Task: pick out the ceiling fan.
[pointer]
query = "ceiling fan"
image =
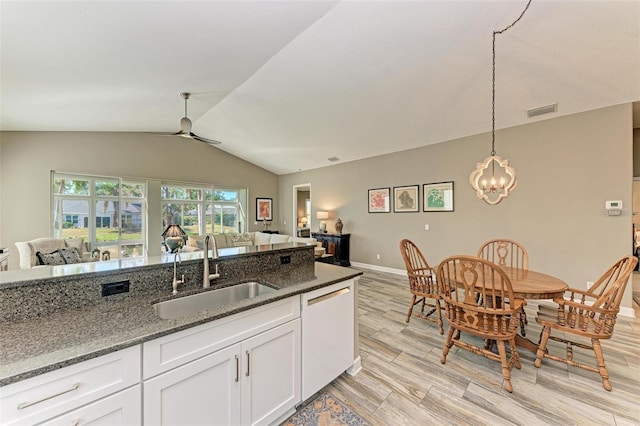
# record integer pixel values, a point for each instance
(185, 126)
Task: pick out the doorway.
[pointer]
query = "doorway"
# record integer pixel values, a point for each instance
(302, 210)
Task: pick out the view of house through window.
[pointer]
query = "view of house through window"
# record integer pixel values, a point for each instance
(109, 213)
(203, 210)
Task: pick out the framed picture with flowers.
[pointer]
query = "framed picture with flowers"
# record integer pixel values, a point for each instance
(379, 200)
(438, 197)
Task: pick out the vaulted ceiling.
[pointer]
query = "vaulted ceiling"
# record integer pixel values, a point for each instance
(288, 84)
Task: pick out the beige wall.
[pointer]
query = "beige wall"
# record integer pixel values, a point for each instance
(26, 159)
(567, 168)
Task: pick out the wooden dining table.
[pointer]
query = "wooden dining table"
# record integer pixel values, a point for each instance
(532, 285)
(528, 284)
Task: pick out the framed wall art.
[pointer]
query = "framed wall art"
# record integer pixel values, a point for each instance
(438, 197)
(406, 199)
(379, 200)
(264, 209)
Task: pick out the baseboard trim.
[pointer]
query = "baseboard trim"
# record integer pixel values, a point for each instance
(627, 312)
(379, 268)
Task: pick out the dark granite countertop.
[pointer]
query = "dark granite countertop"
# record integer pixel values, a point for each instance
(35, 346)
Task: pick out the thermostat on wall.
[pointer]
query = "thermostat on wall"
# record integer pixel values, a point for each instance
(613, 205)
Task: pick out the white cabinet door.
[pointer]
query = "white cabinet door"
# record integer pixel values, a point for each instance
(120, 409)
(202, 392)
(271, 374)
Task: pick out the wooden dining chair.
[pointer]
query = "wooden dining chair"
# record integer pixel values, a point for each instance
(421, 283)
(589, 314)
(505, 252)
(478, 300)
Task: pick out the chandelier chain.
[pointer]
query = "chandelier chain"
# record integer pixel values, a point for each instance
(493, 79)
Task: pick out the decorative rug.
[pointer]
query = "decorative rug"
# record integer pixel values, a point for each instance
(325, 410)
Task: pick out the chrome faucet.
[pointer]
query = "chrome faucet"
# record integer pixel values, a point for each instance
(206, 276)
(176, 260)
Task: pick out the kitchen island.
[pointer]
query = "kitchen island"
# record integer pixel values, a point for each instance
(34, 347)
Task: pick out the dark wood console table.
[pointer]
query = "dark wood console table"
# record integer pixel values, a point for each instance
(335, 244)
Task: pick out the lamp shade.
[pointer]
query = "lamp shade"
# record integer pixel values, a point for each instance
(322, 215)
(173, 230)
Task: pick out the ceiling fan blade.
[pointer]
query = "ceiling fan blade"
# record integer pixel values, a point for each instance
(166, 133)
(205, 140)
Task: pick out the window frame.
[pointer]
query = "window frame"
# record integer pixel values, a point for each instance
(89, 221)
(207, 206)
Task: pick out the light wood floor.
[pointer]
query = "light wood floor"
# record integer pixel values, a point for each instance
(403, 382)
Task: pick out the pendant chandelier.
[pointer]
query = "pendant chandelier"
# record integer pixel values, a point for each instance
(494, 179)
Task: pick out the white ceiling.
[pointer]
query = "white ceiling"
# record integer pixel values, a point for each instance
(288, 84)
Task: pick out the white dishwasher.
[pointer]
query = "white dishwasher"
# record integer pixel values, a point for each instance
(327, 335)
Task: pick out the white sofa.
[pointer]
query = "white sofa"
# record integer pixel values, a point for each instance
(28, 249)
(256, 238)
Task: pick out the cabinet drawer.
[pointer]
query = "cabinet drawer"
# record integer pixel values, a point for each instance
(176, 349)
(120, 409)
(45, 396)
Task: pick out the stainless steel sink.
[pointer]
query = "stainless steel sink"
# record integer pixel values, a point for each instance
(179, 307)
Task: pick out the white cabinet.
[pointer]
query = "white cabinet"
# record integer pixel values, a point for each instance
(205, 391)
(271, 376)
(44, 397)
(255, 379)
(250, 368)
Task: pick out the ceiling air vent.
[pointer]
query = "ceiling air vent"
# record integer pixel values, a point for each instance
(542, 110)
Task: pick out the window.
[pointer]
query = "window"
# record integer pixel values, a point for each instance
(108, 212)
(203, 210)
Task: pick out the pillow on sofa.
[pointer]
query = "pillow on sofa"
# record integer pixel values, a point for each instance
(53, 258)
(243, 239)
(261, 238)
(221, 241)
(196, 241)
(70, 255)
(279, 238)
(28, 249)
(305, 240)
(77, 243)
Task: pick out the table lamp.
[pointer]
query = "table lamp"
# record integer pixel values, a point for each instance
(322, 216)
(173, 237)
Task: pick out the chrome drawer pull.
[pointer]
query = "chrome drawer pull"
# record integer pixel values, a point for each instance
(24, 405)
(327, 296)
(237, 368)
